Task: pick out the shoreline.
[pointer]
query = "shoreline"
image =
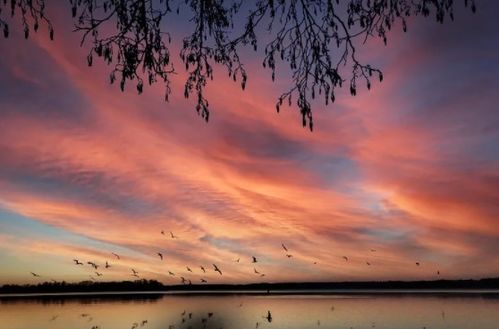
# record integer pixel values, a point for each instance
(294, 292)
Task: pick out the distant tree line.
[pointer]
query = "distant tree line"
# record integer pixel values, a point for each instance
(153, 285)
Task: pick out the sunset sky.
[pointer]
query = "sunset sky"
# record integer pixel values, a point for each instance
(409, 169)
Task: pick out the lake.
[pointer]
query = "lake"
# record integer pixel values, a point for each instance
(239, 311)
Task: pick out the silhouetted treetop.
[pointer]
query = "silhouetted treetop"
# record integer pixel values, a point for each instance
(315, 39)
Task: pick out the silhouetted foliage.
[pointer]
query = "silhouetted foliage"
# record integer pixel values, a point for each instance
(84, 286)
(153, 285)
(316, 39)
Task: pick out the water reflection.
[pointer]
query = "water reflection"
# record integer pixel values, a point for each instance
(246, 311)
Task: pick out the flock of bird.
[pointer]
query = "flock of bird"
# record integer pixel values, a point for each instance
(205, 320)
(184, 280)
(186, 319)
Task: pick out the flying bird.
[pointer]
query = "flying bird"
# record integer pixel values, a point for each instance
(373, 250)
(136, 275)
(284, 247)
(256, 272)
(254, 259)
(77, 262)
(173, 236)
(289, 255)
(95, 266)
(216, 269)
(116, 255)
(160, 255)
(134, 271)
(35, 275)
(345, 258)
(237, 260)
(98, 274)
(262, 275)
(417, 264)
(171, 273)
(202, 268)
(368, 264)
(107, 265)
(183, 279)
(188, 269)
(203, 280)
(162, 232)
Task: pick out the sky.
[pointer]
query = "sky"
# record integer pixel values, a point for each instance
(406, 172)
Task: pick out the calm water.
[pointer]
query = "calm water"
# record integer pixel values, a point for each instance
(250, 311)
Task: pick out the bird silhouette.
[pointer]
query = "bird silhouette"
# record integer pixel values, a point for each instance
(203, 280)
(237, 260)
(95, 266)
(98, 274)
(255, 270)
(171, 273)
(373, 250)
(345, 258)
(116, 255)
(183, 279)
(418, 264)
(162, 232)
(188, 269)
(284, 247)
(262, 275)
(210, 314)
(269, 316)
(368, 264)
(202, 269)
(136, 275)
(53, 318)
(143, 323)
(216, 269)
(107, 265)
(254, 259)
(134, 271)
(35, 275)
(289, 255)
(438, 272)
(160, 255)
(77, 262)
(173, 236)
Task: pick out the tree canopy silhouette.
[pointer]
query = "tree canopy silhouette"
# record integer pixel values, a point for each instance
(315, 39)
